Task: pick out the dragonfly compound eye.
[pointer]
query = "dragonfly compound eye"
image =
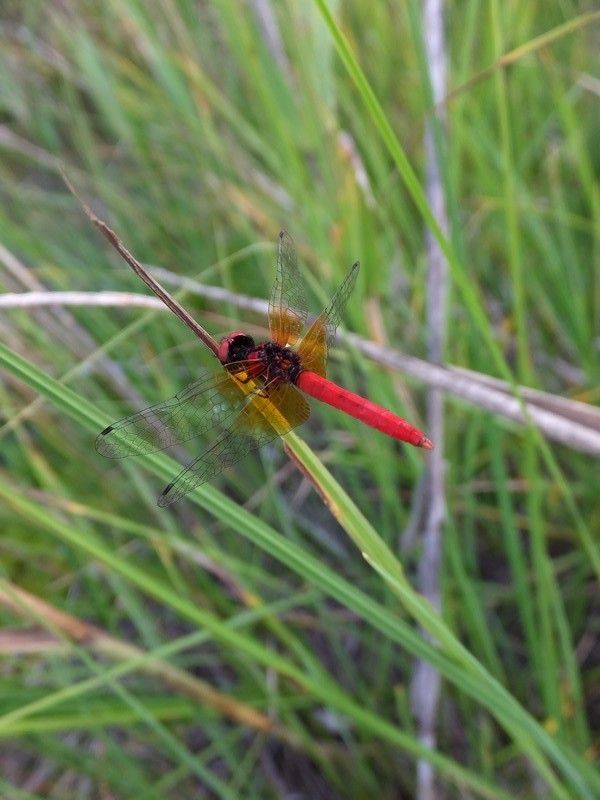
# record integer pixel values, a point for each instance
(235, 348)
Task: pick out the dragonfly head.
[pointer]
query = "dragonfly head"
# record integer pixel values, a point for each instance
(235, 347)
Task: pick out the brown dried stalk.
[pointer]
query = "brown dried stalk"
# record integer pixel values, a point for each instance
(139, 270)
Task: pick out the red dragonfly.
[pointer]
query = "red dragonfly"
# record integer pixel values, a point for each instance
(256, 397)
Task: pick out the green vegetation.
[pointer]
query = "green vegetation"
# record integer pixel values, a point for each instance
(259, 638)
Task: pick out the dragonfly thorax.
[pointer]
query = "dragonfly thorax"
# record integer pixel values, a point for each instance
(280, 362)
(271, 362)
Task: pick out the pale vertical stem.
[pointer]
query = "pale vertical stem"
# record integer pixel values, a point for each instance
(426, 681)
(267, 23)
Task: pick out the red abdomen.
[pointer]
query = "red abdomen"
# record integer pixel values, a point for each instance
(362, 409)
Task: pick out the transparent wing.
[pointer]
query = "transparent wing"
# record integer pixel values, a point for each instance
(261, 421)
(287, 305)
(321, 334)
(212, 401)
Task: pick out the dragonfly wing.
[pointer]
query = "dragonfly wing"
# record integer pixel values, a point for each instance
(321, 334)
(287, 305)
(256, 425)
(212, 401)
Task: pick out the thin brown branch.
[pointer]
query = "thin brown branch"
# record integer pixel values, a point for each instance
(139, 270)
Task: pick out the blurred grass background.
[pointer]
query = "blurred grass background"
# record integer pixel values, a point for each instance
(241, 646)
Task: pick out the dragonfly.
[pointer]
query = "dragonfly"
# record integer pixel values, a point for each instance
(258, 393)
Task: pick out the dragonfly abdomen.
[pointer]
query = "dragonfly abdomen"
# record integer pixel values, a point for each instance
(362, 409)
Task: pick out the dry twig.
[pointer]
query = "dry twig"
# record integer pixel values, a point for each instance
(572, 423)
